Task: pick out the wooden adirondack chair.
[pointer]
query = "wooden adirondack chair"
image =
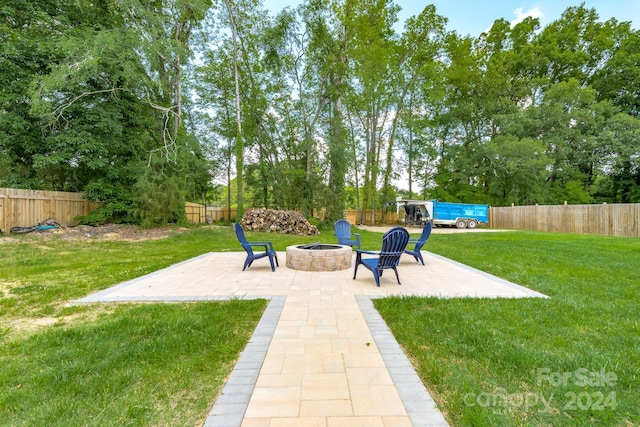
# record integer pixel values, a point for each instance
(394, 243)
(344, 234)
(419, 243)
(251, 255)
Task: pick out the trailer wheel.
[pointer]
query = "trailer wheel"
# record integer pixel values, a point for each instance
(472, 223)
(461, 223)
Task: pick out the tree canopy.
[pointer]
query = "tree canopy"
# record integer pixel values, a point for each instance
(146, 104)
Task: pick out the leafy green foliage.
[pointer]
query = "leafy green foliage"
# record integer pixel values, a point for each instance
(329, 96)
(513, 84)
(94, 98)
(159, 198)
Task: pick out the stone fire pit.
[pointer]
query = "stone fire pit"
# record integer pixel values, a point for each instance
(319, 257)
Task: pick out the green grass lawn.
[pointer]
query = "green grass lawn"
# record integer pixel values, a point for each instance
(572, 359)
(138, 365)
(111, 364)
(486, 362)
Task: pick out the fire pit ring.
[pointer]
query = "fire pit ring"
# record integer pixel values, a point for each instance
(319, 257)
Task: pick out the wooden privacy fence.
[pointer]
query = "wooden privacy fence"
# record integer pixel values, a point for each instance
(200, 214)
(621, 220)
(220, 213)
(390, 217)
(23, 208)
(196, 214)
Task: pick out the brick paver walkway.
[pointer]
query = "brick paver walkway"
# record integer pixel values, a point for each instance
(321, 355)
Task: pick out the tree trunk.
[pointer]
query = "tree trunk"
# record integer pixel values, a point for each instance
(239, 143)
(355, 169)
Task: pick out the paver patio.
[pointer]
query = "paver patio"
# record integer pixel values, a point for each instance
(321, 355)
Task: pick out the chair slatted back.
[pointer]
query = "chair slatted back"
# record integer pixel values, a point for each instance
(242, 239)
(426, 232)
(394, 243)
(343, 229)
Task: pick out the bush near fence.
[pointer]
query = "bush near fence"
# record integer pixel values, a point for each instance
(622, 220)
(24, 208)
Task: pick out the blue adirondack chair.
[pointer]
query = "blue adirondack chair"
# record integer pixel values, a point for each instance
(251, 255)
(419, 243)
(344, 234)
(394, 243)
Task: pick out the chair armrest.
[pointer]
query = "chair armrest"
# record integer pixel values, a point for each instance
(367, 252)
(265, 244)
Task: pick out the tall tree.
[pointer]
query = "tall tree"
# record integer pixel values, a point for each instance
(417, 78)
(621, 137)
(111, 96)
(372, 42)
(239, 140)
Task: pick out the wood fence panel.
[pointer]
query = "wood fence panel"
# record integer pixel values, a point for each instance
(23, 208)
(218, 213)
(621, 220)
(575, 220)
(544, 218)
(3, 211)
(390, 217)
(586, 215)
(559, 218)
(195, 213)
(351, 216)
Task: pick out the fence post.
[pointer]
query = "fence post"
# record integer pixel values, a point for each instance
(490, 218)
(5, 209)
(52, 207)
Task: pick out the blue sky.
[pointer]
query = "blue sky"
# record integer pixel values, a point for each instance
(472, 17)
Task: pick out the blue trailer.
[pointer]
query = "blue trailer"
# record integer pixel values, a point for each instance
(460, 215)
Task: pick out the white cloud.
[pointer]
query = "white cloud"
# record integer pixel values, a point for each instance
(520, 15)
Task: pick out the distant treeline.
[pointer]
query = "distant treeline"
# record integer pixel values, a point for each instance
(146, 104)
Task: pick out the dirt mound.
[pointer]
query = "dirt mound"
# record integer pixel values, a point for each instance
(122, 232)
